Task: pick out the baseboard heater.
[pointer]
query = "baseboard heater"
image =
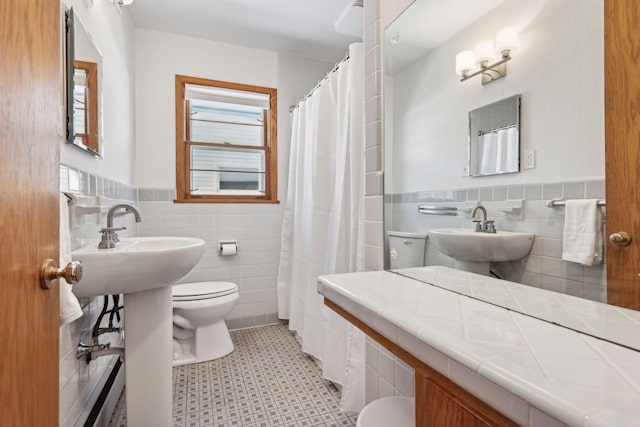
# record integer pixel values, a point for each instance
(106, 399)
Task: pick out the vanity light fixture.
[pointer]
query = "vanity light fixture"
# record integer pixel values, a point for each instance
(483, 61)
(120, 3)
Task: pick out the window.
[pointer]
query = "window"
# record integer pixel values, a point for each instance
(225, 142)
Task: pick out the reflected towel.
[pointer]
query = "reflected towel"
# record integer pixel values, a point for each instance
(501, 150)
(70, 309)
(582, 238)
(488, 145)
(512, 150)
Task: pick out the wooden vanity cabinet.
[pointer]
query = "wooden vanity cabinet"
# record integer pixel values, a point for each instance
(439, 401)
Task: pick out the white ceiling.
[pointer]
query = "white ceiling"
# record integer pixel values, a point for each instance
(302, 27)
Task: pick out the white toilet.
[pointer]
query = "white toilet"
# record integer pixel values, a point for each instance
(406, 249)
(199, 331)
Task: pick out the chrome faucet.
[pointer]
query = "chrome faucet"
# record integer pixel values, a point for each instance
(484, 225)
(109, 236)
(482, 210)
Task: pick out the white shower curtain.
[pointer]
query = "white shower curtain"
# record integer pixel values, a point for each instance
(323, 226)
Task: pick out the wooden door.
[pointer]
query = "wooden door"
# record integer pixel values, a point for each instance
(622, 135)
(31, 131)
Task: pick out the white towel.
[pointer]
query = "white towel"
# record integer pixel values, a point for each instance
(501, 150)
(512, 150)
(582, 232)
(488, 145)
(70, 309)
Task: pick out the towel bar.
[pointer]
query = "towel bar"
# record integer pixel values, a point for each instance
(437, 210)
(559, 202)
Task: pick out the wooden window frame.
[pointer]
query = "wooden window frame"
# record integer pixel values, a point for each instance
(90, 139)
(183, 146)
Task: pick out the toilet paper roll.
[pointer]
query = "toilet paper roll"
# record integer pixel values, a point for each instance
(228, 249)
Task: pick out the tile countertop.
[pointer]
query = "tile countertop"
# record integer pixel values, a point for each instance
(578, 379)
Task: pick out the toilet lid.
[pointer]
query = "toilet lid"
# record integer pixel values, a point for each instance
(202, 290)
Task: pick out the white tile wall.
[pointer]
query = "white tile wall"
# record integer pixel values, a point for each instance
(373, 135)
(386, 375)
(254, 269)
(77, 378)
(544, 268)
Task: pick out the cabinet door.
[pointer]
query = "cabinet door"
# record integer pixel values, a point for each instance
(441, 403)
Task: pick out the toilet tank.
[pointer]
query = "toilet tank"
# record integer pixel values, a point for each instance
(406, 249)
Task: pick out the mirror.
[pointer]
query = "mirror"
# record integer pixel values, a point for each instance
(558, 70)
(83, 94)
(494, 138)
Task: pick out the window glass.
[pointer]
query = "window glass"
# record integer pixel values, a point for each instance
(227, 170)
(226, 123)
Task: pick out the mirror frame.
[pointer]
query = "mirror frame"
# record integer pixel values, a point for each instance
(90, 138)
(90, 142)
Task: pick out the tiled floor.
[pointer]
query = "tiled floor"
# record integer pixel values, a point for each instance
(266, 381)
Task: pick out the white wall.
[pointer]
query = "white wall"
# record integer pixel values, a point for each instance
(112, 34)
(559, 70)
(257, 227)
(159, 58)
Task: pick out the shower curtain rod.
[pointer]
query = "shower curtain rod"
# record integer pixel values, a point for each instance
(333, 70)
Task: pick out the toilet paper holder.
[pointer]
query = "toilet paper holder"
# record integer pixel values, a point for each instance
(227, 247)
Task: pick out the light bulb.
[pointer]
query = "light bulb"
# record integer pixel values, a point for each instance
(506, 40)
(464, 62)
(484, 51)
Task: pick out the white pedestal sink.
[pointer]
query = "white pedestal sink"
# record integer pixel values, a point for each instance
(475, 251)
(143, 269)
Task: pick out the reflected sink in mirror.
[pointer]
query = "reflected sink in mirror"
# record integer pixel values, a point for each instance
(467, 245)
(136, 264)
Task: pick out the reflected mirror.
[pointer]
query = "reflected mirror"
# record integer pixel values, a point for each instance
(83, 76)
(430, 182)
(494, 138)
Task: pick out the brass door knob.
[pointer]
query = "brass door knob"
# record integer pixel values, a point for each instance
(621, 238)
(49, 273)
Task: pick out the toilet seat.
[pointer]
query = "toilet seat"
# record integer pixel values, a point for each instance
(202, 290)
